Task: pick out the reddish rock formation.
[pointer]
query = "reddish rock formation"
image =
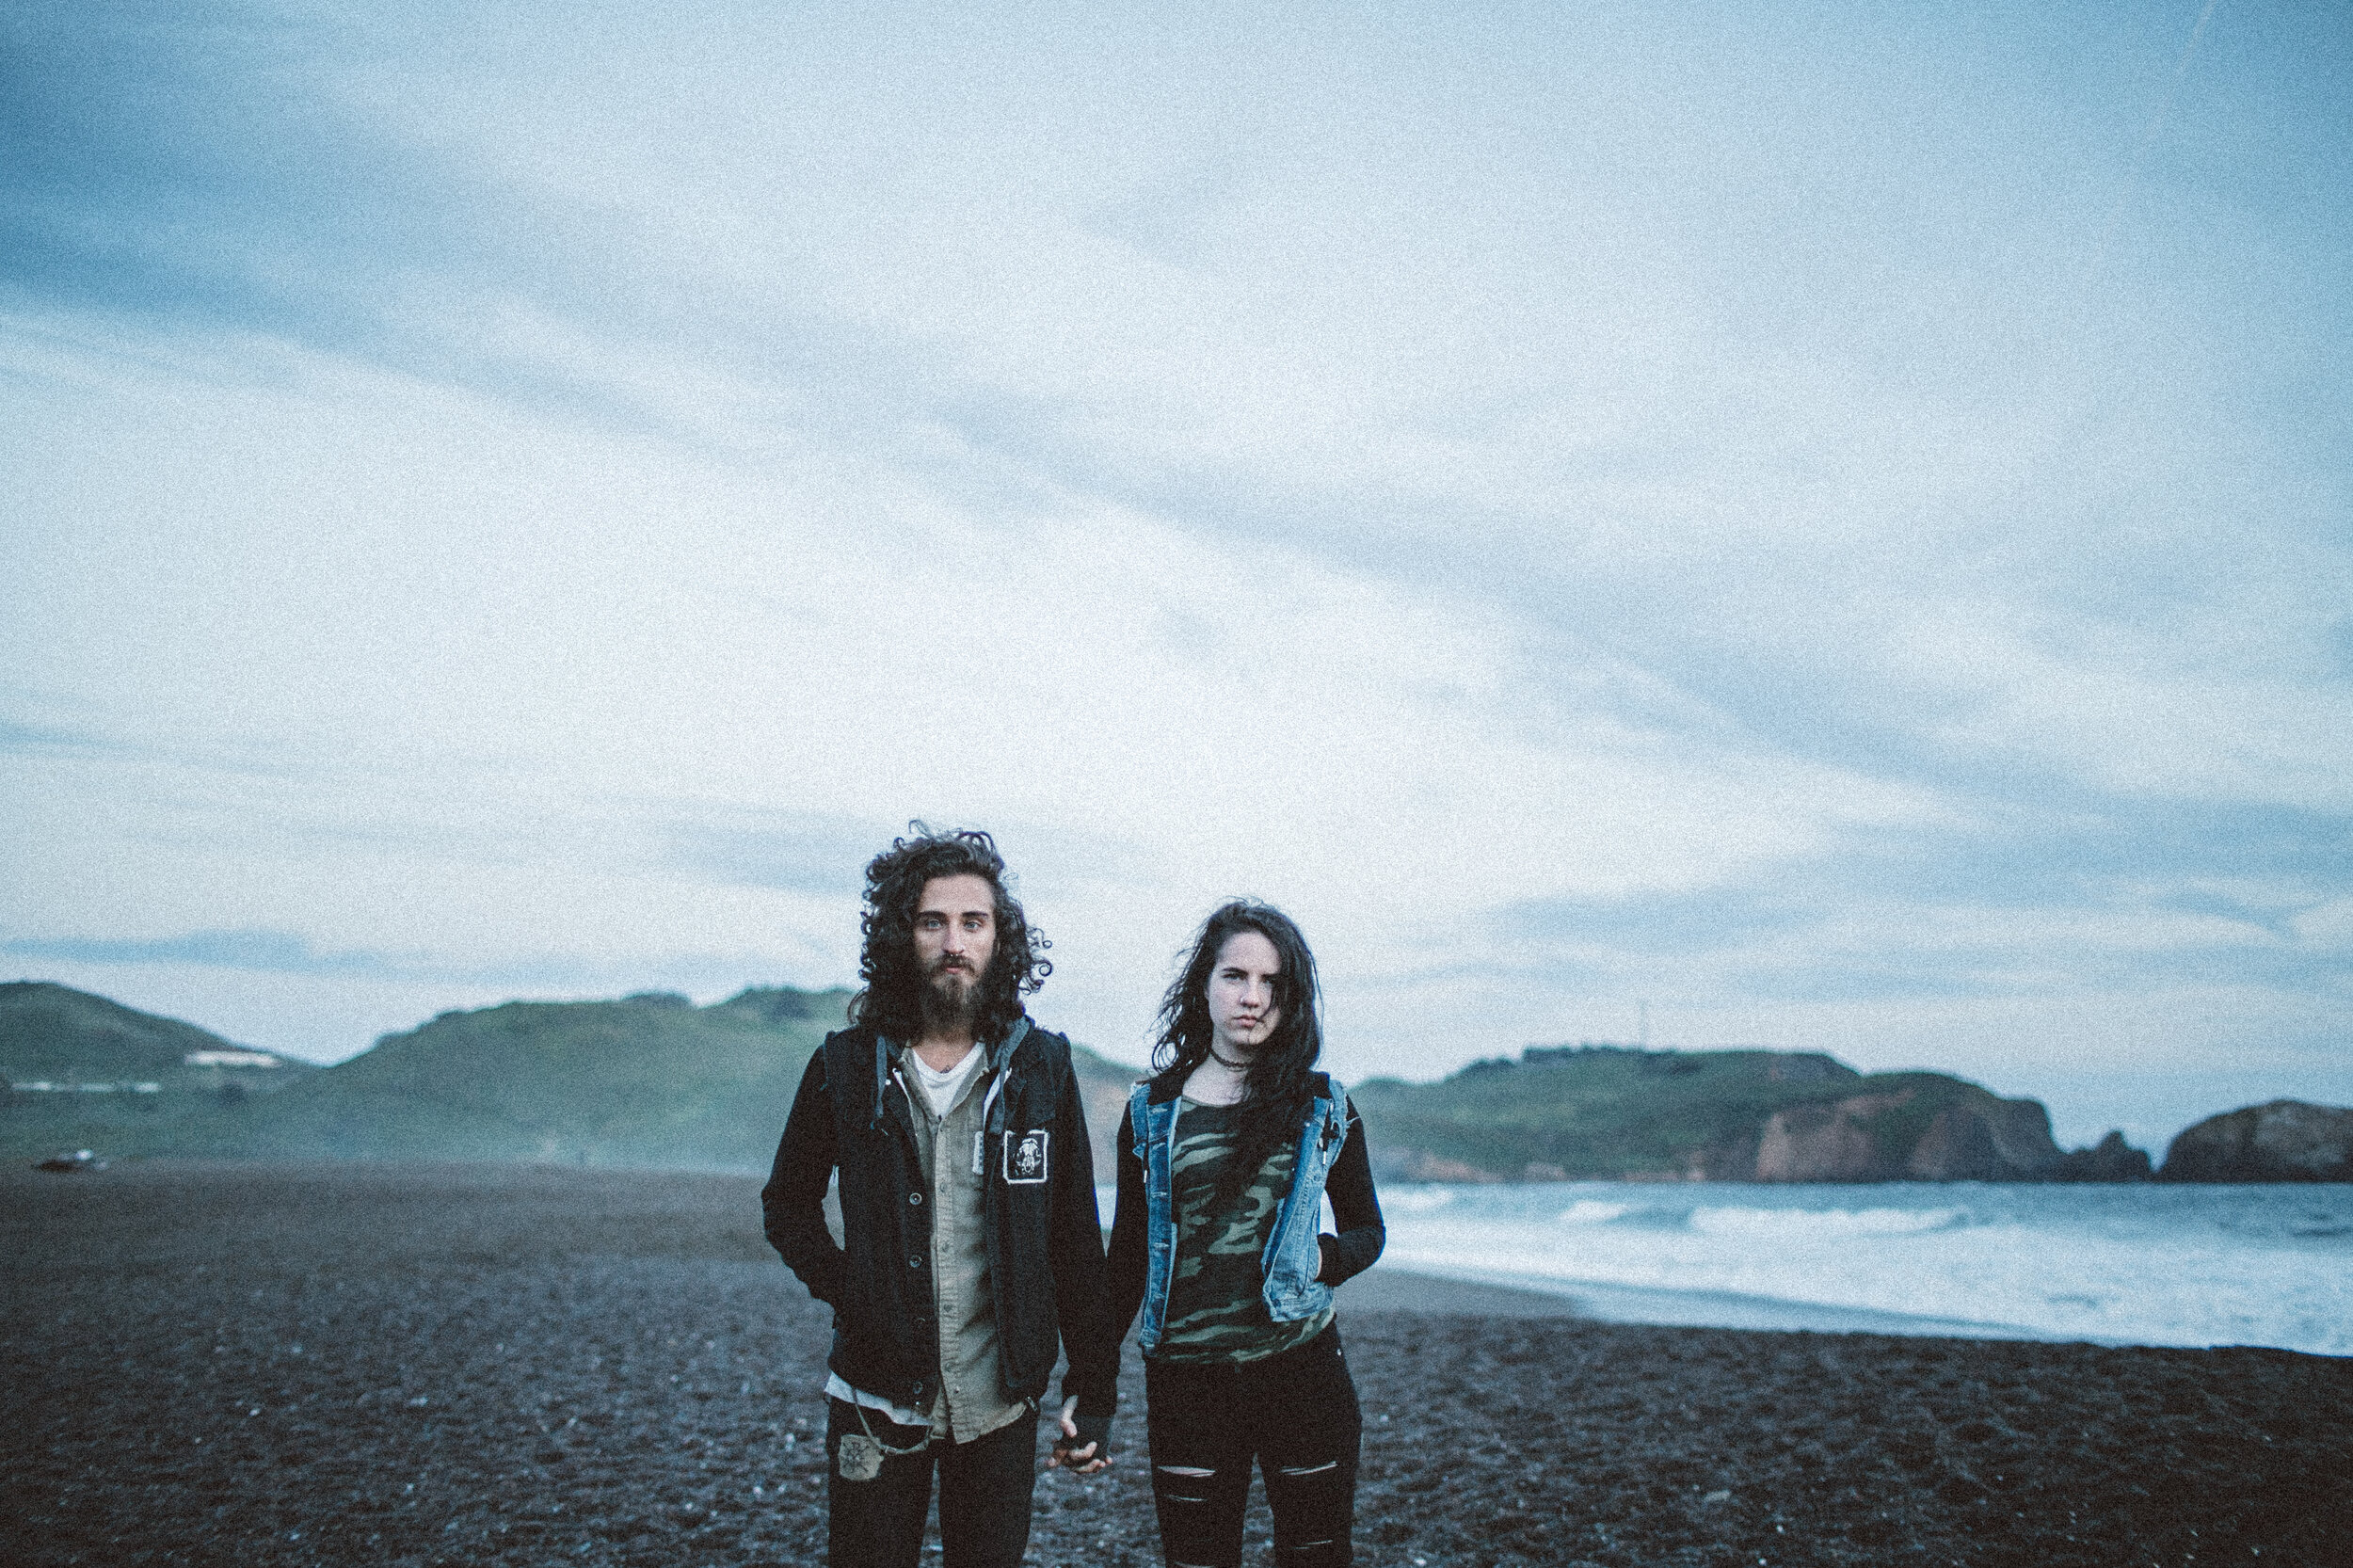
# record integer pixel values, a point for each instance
(1978, 1137)
(1825, 1143)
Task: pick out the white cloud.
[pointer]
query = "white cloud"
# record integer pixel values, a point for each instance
(1412, 470)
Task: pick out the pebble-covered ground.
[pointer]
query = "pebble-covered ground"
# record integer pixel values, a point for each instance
(277, 1365)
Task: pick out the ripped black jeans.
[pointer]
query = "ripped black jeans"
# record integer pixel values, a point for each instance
(1295, 1413)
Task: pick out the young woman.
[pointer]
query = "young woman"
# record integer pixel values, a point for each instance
(1225, 1158)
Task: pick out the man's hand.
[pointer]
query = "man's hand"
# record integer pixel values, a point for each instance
(1081, 1454)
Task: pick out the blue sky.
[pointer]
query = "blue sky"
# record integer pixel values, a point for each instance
(1815, 525)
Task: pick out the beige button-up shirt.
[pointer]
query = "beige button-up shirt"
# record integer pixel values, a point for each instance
(972, 1401)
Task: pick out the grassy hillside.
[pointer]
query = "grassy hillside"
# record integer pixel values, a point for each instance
(647, 1080)
(1590, 1111)
(650, 1081)
(84, 1071)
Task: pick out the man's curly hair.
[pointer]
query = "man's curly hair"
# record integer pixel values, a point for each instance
(892, 998)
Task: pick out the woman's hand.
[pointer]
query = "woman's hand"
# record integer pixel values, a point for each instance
(1080, 1458)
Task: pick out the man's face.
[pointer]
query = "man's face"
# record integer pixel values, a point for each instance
(956, 934)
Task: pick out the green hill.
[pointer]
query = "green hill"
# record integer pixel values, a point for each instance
(650, 1081)
(82, 1070)
(1599, 1112)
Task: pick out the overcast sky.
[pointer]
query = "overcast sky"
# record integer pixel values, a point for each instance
(1818, 525)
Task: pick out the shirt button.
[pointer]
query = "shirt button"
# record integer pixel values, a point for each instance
(914, 1263)
(916, 1198)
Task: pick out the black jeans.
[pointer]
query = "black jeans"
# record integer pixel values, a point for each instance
(1296, 1414)
(985, 1491)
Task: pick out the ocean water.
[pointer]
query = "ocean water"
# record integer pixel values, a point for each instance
(2138, 1264)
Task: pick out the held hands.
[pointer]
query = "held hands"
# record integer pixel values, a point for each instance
(1083, 1452)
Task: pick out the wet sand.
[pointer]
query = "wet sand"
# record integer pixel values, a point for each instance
(221, 1364)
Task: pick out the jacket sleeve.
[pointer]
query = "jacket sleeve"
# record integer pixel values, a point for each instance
(1077, 1252)
(1129, 1223)
(792, 1205)
(1355, 1209)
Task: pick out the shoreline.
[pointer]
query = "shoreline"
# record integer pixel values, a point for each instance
(687, 1212)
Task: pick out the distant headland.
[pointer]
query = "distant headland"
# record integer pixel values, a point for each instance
(1602, 1111)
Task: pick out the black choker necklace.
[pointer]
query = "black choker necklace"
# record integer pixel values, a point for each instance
(1222, 1062)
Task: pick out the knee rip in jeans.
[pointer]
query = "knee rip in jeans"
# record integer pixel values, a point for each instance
(1310, 1471)
(1194, 1477)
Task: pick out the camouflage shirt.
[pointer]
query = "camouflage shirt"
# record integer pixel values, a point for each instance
(1216, 1308)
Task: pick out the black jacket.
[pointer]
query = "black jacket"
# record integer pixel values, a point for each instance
(1355, 1209)
(1045, 1242)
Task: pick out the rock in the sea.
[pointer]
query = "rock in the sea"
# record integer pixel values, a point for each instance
(2110, 1160)
(2281, 1141)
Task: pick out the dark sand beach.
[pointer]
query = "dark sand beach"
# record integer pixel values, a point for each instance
(222, 1363)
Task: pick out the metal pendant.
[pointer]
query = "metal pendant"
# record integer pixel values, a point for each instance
(861, 1457)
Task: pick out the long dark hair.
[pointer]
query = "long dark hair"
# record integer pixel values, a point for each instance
(892, 998)
(1280, 1082)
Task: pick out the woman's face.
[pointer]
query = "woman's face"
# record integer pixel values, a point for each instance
(1241, 995)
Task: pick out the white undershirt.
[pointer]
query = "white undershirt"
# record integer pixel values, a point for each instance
(941, 1089)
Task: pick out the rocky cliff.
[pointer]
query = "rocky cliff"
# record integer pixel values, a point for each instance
(1600, 1111)
(2281, 1141)
(1940, 1130)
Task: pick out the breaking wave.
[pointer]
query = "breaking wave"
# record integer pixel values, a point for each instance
(1590, 1211)
(2137, 1264)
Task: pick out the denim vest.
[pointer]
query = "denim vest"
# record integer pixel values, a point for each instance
(1293, 1258)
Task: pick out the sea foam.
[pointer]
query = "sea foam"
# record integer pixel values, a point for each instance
(2129, 1264)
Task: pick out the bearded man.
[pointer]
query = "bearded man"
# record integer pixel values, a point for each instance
(972, 1246)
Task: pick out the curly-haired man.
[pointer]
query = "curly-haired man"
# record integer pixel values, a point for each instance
(970, 1242)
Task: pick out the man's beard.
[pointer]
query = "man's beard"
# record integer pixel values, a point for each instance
(951, 1001)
